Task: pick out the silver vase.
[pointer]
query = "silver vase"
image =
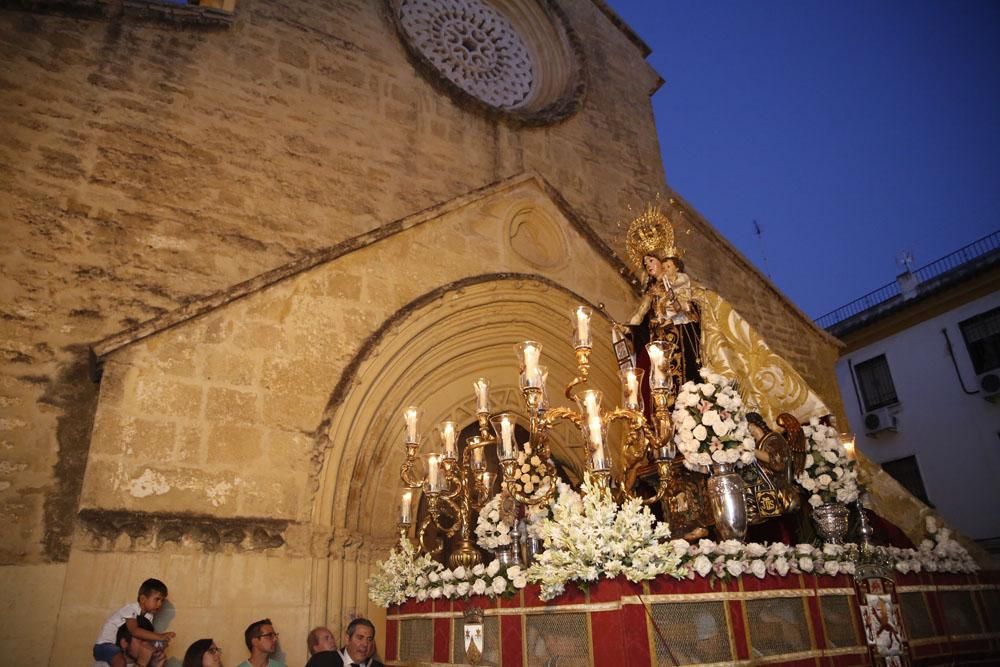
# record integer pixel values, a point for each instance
(729, 505)
(831, 522)
(535, 547)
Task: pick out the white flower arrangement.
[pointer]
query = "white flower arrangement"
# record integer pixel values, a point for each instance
(710, 423)
(530, 475)
(829, 475)
(491, 531)
(590, 537)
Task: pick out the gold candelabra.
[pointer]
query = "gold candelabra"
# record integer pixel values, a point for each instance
(457, 489)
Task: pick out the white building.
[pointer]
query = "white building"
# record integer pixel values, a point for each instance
(920, 379)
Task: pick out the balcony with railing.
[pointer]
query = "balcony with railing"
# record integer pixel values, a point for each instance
(977, 255)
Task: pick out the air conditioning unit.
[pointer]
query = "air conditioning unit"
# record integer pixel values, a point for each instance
(989, 385)
(881, 419)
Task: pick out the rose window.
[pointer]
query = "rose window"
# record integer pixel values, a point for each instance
(474, 46)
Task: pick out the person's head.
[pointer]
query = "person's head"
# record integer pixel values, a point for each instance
(152, 594)
(129, 644)
(203, 653)
(320, 639)
(653, 265)
(261, 637)
(757, 422)
(360, 639)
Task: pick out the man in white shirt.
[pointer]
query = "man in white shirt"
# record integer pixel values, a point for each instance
(357, 652)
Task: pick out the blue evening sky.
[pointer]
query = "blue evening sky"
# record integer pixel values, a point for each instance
(851, 131)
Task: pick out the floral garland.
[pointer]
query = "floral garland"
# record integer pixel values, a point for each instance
(829, 475)
(711, 424)
(491, 531)
(590, 537)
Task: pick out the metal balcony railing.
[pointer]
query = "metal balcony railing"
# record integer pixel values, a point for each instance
(975, 250)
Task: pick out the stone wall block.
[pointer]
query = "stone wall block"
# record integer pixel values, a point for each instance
(289, 449)
(232, 405)
(232, 367)
(157, 395)
(233, 445)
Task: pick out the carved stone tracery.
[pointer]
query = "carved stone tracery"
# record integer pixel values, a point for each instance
(474, 46)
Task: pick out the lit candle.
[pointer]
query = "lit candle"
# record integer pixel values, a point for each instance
(482, 387)
(448, 440)
(597, 440)
(847, 440)
(583, 326)
(658, 377)
(432, 472)
(507, 438)
(404, 507)
(411, 424)
(631, 389)
(531, 355)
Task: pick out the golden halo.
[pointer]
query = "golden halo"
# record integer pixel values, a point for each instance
(651, 233)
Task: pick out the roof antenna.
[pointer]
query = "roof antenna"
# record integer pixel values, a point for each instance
(760, 237)
(905, 261)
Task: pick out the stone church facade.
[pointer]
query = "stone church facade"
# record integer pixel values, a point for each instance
(239, 240)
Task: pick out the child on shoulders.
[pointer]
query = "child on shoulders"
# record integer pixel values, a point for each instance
(152, 595)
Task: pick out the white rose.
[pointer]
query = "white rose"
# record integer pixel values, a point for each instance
(499, 585)
(781, 565)
(479, 587)
(493, 567)
(699, 432)
(806, 564)
(734, 567)
(831, 457)
(478, 570)
(702, 565)
(759, 568)
(448, 590)
(724, 427)
(460, 572)
(436, 592)
(831, 567)
(710, 418)
(463, 588)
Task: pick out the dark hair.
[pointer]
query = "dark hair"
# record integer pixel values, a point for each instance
(313, 637)
(758, 421)
(196, 651)
(124, 635)
(251, 632)
(352, 626)
(151, 586)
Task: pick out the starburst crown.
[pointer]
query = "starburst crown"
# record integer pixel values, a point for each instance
(650, 233)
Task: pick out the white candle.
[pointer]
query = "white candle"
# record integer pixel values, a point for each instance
(404, 507)
(583, 325)
(507, 438)
(531, 355)
(631, 388)
(411, 424)
(482, 386)
(448, 439)
(590, 404)
(477, 457)
(596, 439)
(432, 472)
(658, 376)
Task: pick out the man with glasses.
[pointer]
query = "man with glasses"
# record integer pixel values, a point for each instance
(262, 642)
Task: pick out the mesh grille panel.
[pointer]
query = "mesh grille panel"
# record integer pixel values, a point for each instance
(778, 626)
(838, 619)
(563, 637)
(916, 616)
(960, 613)
(695, 632)
(491, 641)
(416, 639)
(991, 602)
